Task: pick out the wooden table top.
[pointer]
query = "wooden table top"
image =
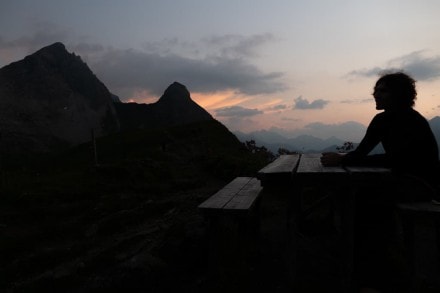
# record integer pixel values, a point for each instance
(310, 165)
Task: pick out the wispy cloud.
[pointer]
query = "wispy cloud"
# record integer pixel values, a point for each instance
(279, 107)
(418, 64)
(45, 33)
(237, 46)
(422, 67)
(357, 101)
(289, 119)
(303, 104)
(237, 111)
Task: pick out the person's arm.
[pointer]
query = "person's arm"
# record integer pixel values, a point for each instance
(360, 156)
(331, 159)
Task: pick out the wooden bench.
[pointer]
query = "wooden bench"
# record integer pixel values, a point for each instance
(233, 218)
(421, 231)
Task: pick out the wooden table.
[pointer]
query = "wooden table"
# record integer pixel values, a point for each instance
(295, 174)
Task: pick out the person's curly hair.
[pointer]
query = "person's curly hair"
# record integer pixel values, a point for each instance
(401, 86)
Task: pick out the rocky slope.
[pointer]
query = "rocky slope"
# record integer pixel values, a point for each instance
(51, 100)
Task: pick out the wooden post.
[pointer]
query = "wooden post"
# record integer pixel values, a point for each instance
(95, 152)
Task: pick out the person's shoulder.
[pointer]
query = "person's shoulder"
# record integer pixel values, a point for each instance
(417, 115)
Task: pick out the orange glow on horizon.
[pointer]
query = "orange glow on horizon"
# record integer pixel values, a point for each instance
(142, 97)
(218, 100)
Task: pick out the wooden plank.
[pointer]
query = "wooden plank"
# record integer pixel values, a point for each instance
(311, 163)
(420, 207)
(361, 169)
(283, 164)
(246, 197)
(224, 195)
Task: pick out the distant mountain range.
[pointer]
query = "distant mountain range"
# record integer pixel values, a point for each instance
(302, 143)
(273, 140)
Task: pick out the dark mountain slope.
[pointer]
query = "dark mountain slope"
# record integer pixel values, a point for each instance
(175, 107)
(51, 100)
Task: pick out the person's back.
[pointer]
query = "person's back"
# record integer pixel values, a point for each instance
(409, 144)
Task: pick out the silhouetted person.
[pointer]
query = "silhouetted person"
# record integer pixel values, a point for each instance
(411, 151)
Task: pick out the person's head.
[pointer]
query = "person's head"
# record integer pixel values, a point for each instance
(395, 90)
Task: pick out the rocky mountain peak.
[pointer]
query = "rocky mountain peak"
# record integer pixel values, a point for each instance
(175, 93)
(53, 52)
(52, 72)
(175, 107)
(50, 99)
(48, 60)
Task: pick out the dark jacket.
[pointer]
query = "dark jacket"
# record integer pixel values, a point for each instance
(409, 144)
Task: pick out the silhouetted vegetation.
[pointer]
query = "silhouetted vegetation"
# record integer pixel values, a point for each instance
(284, 151)
(260, 151)
(347, 146)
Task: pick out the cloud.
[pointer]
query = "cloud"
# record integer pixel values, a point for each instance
(44, 34)
(237, 111)
(214, 64)
(420, 66)
(289, 119)
(417, 64)
(304, 104)
(237, 46)
(279, 107)
(357, 101)
(128, 70)
(375, 71)
(222, 63)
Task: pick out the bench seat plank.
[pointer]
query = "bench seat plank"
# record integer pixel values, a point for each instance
(239, 194)
(362, 169)
(245, 198)
(420, 207)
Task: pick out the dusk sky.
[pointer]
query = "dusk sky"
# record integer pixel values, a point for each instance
(252, 64)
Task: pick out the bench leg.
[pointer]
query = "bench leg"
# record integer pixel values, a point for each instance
(233, 242)
(421, 235)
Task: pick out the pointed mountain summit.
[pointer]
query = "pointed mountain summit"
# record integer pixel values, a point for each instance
(175, 107)
(52, 100)
(175, 93)
(180, 108)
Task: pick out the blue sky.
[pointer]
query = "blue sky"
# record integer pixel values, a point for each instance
(252, 64)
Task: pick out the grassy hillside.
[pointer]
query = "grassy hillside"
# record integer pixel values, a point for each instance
(159, 160)
(129, 223)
